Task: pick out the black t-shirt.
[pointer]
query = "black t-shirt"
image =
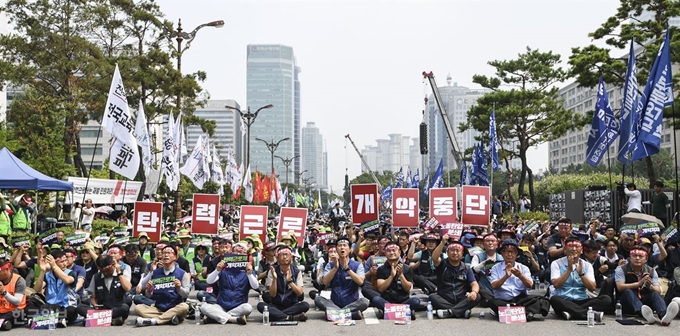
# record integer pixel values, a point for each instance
(137, 270)
(395, 293)
(184, 264)
(453, 282)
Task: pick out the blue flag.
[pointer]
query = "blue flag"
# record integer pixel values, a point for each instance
(482, 171)
(630, 102)
(658, 94)
(438, 178)
(400, 178)
(415, 183)
(387, 192)
(603, 130)
(426, 185)
(463, 175)
(407, 183)
(293, 198)
(493, 141)
(475, 167)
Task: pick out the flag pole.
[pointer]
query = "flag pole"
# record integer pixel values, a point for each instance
(609, 168)
(675, 150)
(89, 171)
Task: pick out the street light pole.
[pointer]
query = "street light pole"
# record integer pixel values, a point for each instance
(249, 119)
(299, 175)
(287, 162)
(189, 37)
(272, 146)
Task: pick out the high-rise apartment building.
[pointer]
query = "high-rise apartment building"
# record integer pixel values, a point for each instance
(313, 155)
(272, 78)
(227, 135)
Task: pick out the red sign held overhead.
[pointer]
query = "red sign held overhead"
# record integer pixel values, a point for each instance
(405, 207)
(205, 213)
(253, 221)
(444, 205)
(293, 220)
(147, 219)
(476, 205)
(364, 202)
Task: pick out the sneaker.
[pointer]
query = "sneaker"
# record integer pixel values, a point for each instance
(413, 315)
(302, 317)
(467, 314)
(493, 313)
(241, 320)
(177, 320)
(118, 321)
(671, 312)
(566, 316)
(648, 314)
(313, 294)
(62, 323)
(6, 326)
(443, 313)
(425, 291)
(143, 322)
(598, 316)
(380, 313)
(530, 316)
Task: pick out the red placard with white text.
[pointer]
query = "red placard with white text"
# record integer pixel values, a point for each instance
(205, 213)
(444, 204)
(147, 219)
(293, 220)
(476, 205)
(253, 221)
(364, 202)
(405, 207)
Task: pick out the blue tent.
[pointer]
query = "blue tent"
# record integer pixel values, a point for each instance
(18, 175)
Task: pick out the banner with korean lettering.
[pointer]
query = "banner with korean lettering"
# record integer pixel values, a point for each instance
(98, 318)
(205, 213)
(444, 204)
(147, 219)
(253, 221)
(405, 207)
(102, 191)
(397, 312)
(293, 220)
(364, 202)
(476, 205)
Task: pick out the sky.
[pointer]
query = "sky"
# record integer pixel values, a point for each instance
(362, 61)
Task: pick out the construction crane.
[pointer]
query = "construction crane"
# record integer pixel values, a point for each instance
(455, 150)
(364, 162)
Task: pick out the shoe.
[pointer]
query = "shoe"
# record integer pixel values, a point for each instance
(493, 313)
(671, 312)
(62, 323)
(177, 320)
(313, 294)
(598, 316)
(241, 320)
(530, 316)
(302, 317)
(443, 313)
(566, 316)
(6, 326)
(467, 314)
(425, 291)
(143, 322)
(380, 313)
(118, 321)
(648, 314)
(413, 315)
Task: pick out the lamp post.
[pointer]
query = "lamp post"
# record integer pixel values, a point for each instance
(299, 175)
(249, 119)
(272, 146)
(287, 162)
(180, 36)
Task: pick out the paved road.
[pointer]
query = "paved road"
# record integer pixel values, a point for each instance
(317, 326)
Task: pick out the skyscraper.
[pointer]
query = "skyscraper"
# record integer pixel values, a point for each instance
(272, 78)
(227, 131)
(313, 155)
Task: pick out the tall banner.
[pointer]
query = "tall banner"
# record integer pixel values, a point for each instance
(293, 220)
(405, 207)
(444, 205)
(364, 202)
(102, 191)
(253, 221)
(148, 217)
(205, 213)
(476, 205)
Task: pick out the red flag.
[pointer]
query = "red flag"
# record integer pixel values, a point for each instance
(266, 189)
(257, 192)
(237, 194)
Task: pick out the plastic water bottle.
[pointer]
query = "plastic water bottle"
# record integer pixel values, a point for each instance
(52, 325)
(591, 317)
(536, 284)
(265, 316)
(619, 310)
(430, 314)
(481, 314)
(259, 299)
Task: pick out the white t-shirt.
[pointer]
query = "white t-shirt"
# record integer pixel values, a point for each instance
(634, 199)
(87, 218)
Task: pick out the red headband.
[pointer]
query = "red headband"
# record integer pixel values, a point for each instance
(114, 250)
(574, 243)
(638, 252)
(392, 247)
(6, 266)
(457, 246)
(171, 249)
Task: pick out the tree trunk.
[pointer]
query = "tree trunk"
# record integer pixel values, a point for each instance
(651, 175)
(78, 158)
(530, 177)
(511, 198)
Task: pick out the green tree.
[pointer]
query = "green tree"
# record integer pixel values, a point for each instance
(617, 32)
(529, 113)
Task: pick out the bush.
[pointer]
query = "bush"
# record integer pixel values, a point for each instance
(102, 225)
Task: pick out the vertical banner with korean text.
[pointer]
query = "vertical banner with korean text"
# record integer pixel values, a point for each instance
(205, 213)
(476, 204)
(405, 207)
(253, 221)
(293, 220)
(364, 202)
(148, 217)
(444, 205)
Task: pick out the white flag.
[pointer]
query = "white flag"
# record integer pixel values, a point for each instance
(207, 158)
(238, 178)
(248, 185)
(217, 174)
(320, 206)
(193, 167)
(153, 179)
(283, 200)
(282, 197)
(124, 159)
(169, 165)
(143, 139)
(117, 119)
(231, 172)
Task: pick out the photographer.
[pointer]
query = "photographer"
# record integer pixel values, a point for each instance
(634, 198)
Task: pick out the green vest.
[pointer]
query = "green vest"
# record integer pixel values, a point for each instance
(198, 265)
(188, 252)
(146, 255)
(21, 219)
